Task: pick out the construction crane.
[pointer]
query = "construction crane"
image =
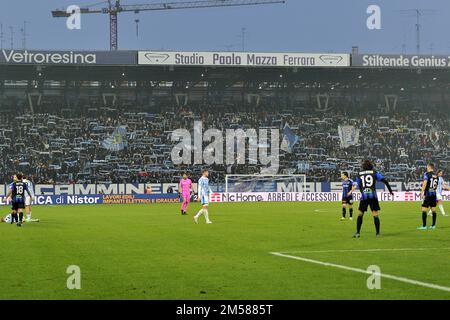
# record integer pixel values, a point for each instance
(417, 14)
(115, 7)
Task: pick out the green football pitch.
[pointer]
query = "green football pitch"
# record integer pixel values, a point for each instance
(152, 252)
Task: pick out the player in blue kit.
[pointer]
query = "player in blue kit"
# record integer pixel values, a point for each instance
(347, 196)
(16, 193)
(429, 194)
(367, 183)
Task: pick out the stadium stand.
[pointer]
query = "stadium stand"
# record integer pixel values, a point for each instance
(60, 145)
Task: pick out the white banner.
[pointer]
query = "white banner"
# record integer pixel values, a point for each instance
(244, 59)
(312, 196)
(348, 135)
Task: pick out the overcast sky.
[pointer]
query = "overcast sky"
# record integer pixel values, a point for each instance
(298, 26)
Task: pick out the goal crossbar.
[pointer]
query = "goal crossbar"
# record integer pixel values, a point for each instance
(251, 183)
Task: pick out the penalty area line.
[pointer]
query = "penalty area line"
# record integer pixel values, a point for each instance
(384, 275)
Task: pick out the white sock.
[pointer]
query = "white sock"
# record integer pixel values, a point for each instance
(206, 215)
(441, 207)
(29, 215)
(199, 213)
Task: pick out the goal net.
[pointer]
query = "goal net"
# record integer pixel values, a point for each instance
(265, 183)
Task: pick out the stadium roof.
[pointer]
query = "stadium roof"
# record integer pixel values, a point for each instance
(227, 68)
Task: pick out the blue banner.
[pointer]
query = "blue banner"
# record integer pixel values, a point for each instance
(290, 138)
(117, 141)
(101, 199)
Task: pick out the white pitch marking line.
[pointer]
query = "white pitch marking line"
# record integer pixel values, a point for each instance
(366, 250)
(323, 210)
(384, 275)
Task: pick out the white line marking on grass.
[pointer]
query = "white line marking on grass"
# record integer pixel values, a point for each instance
(384, 275)
(366, 250)
(323, 210)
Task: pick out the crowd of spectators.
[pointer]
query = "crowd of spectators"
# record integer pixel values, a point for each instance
(67, 147)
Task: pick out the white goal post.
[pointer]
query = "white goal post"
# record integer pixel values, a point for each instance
(265, 183)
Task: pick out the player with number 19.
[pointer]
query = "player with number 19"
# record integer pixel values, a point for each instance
(366, 182)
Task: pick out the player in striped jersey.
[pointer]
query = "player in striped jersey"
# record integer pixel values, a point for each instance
(17, 192)
(428, 192)
(366, 181)
(347, 196)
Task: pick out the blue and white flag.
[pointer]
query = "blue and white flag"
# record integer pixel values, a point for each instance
(348, 135)
(290, 139)
(117, 141)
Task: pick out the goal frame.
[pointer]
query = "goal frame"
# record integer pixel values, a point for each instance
(262, 175)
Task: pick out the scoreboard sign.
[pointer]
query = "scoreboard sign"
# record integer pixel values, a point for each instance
(243, 59)
(400, 61)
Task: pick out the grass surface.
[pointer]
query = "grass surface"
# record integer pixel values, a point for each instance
(152, 252)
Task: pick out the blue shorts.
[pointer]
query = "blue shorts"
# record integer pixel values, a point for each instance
(205, 200)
